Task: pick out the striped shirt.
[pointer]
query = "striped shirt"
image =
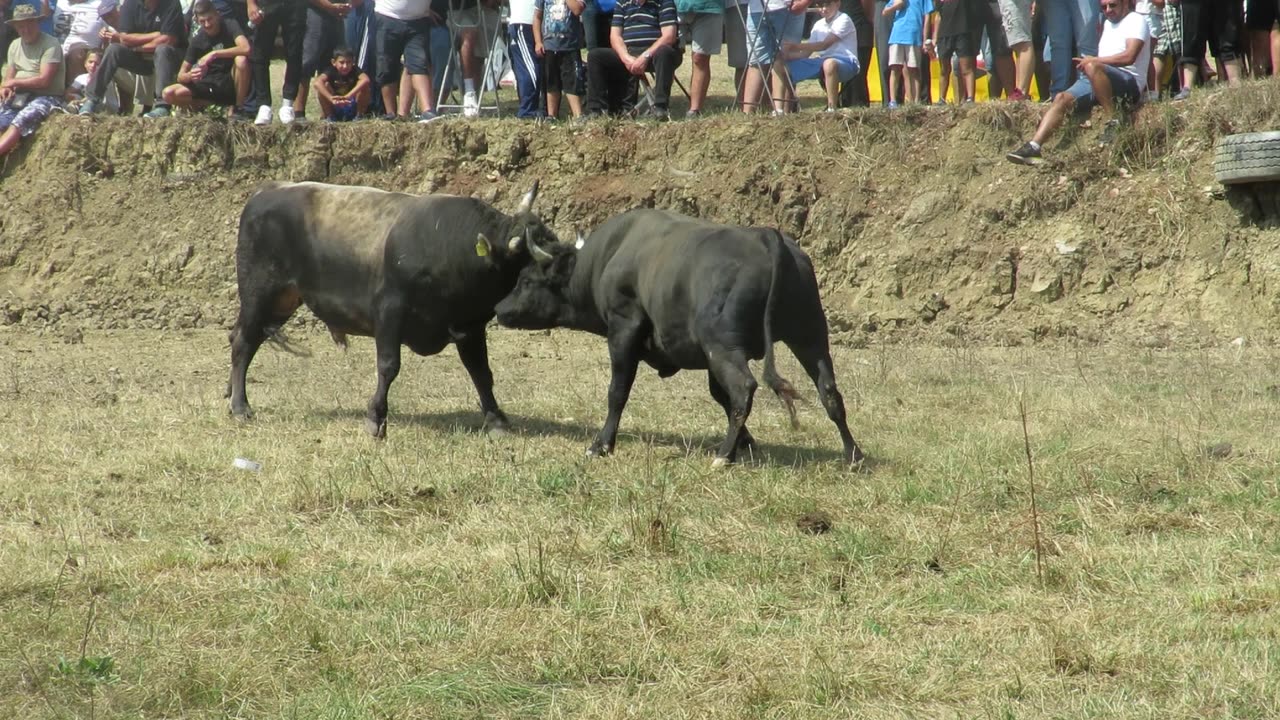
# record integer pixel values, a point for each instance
(642, 20)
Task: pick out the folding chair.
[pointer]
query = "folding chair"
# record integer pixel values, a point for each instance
(753, 47)
(645, 93)
(494, 62)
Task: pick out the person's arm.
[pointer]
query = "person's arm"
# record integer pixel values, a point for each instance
(240, 49)
(48, 71)
(1132, 49)
(668, 26)
(576, 6)
(893, 7)
(537, 31)
(338, 10)
(620, 47)
(185, 74)
(361, 83)
(6, 92)
(321, 85)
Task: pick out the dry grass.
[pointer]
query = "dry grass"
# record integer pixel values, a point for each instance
(445, 574)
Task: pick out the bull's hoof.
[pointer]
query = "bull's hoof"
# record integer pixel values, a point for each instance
(598, 450)
(856, 458)
(497, 431)
(242, 414)
(497, 425)
(720, 462)
(375, 428)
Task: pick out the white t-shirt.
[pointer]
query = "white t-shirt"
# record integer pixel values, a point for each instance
(759, 6)
(84, 24)
(1114, 38)
(403, 9)
(521, 12)
(842, 27)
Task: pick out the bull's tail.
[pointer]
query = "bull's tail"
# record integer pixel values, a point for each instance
(781, 387)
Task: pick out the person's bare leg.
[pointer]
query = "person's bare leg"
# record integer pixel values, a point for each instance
(1234, 72)
(700, 82)
(422, 86)
(575, 104)
(753, 88)
(1058, 111)
(783, 98)
(1005, 72)
(1024, 66)
(553, 104)
(9, 140)
(404, 108)
(913, 84)
(831, 73)
(969, 78)
(240, 75)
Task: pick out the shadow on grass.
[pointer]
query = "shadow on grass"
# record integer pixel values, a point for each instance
(470, 422)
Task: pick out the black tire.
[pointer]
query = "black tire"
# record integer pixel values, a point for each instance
(1247, 158)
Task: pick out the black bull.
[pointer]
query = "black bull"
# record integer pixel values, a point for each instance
(422, 271)
(685, 294)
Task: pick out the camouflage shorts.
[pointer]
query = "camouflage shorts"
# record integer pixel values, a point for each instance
(29, 117)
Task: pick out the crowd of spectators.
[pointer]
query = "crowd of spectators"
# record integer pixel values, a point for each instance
(388, 58)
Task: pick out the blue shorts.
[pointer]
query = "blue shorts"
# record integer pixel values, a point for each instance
(767, 31)
(811, 69)
(344, 113)
(1124, 88)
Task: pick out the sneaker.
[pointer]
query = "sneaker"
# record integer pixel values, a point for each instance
(287, 115)
(1025, 155)
(159, 111)
(778, 113)
(264, 115)
(88, 107)
(1018, 96)
(893, 105)
(658, 114)
(1109, 133)
(1183, 94)
(390, 117)
(693, 115)
(830, 109)
(470, 105)
(427, 116)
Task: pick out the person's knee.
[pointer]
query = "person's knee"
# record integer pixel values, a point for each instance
(241, 63)
(701, 61)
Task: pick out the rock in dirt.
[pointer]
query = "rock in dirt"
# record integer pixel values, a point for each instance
(815, 522)
(1219, 451)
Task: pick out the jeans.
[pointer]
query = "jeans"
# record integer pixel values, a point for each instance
(1072, 26)
(438, 51)
(612, 88)
(596, 25)
(289, 19)
(163, 65)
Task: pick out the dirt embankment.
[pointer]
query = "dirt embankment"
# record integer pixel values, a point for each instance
(919, 228)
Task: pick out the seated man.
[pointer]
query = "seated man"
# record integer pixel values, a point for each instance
(835, 40)
(344, 93)
(1118, 73)
(145, 43)
(216, 70)
(643, 36)
(33, 78)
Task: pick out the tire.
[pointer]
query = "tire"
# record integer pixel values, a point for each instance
(1247, 158)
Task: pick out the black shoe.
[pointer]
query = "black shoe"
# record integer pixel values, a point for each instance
(1109, 133)
(659, 114)
(1025, 155)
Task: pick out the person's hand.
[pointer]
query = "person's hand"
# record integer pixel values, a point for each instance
(255, 13)
(888, 11)
(109, 35)
(196, 72)
(6, 92)
(637, 64)
(537, 48)
(788, 47)
(338, 10)
(799, 6)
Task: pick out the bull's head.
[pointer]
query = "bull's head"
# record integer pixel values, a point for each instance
(527, 229)
(541, 298)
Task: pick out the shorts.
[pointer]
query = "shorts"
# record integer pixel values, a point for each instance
(1215, 22)
(811, 69)
(735, 35)
(397, 37)
(908, 55)
(1017, 20)
(1155, 22)
(986, 13)
(564, 71)
(215, 90)
(702, 32)
(472, 17)
(344, 113)
(1261, 15)
(768, 30)
(1171, 39)
(1124, 88)
(30, 116)
(956, 45)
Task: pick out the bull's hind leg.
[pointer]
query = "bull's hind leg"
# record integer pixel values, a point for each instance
(473, 349)
(729, 369)
(816, 360)
(745, 440)
(261, 313)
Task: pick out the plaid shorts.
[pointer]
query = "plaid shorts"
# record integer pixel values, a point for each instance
(1170, 40)
(30, 116)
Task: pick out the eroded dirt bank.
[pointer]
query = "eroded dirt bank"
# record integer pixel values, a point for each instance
(920, 229)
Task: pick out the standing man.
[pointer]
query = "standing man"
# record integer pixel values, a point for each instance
(147, 42)
(701, 28)
(854, 93)
(271, 18)
(324, 31)
(1072, 27)
(404, 29)
(525, 63)
(33, 74)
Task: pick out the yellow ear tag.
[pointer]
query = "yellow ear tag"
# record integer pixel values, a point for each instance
(482, 248)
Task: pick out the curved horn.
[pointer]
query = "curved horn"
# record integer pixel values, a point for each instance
(526, 203)
(539, 255)
(582, 240)
(514, 244)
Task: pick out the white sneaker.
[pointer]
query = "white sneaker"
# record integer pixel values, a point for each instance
(470, 105)
(286, 113)
(264, 115)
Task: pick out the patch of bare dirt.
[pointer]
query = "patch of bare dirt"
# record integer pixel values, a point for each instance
(920, 230)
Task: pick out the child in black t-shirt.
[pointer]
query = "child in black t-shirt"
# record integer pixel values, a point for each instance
(216, 68)
(342, 90)
(953, 36)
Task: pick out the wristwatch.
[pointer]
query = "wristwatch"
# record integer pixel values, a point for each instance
(646, 54)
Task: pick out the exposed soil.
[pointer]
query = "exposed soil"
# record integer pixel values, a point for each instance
(920, 229)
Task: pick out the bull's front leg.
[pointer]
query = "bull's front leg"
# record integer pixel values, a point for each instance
(386, 337)
(473, 349)
(624, 359)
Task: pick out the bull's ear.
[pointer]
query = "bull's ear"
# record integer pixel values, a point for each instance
(526, 203)
(484, 248)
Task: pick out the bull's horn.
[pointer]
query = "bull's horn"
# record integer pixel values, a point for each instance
(539, 254)
(581, 241)
(514, 243)
(526, 203)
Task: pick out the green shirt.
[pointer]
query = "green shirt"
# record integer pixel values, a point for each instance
(712, 7)
(26, 59)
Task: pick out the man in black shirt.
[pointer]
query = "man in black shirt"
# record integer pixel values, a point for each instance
(216, 70)
(147, 42)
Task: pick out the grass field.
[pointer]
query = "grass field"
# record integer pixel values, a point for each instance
(443, 573)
